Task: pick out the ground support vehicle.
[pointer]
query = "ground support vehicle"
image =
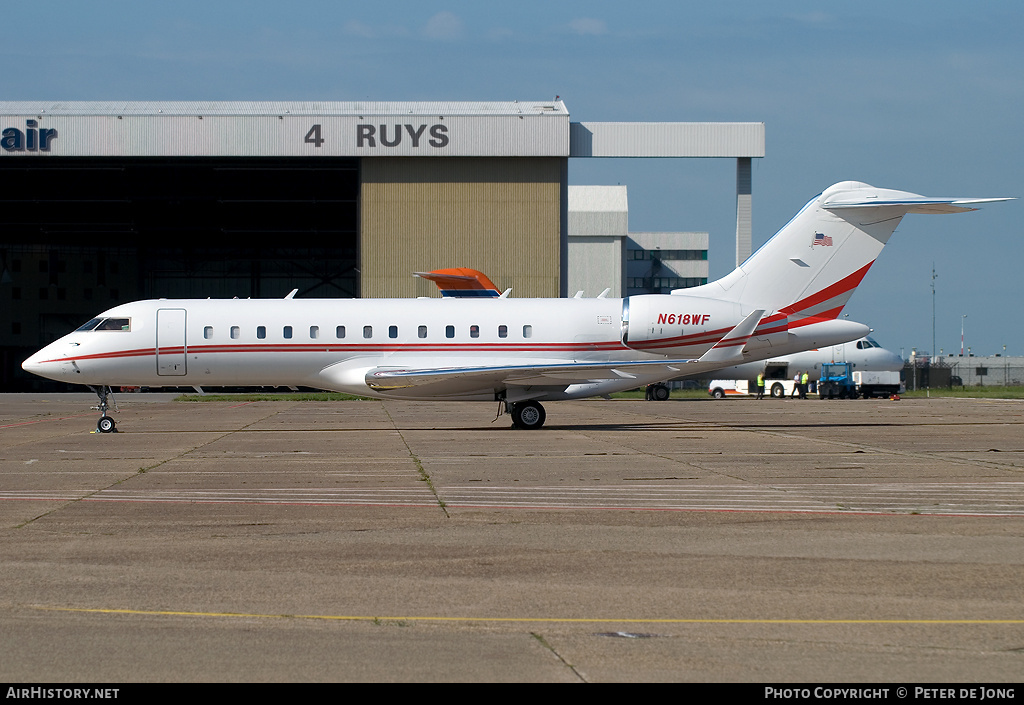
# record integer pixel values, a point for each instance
(877, 384)
(836, 380)
(777, 388)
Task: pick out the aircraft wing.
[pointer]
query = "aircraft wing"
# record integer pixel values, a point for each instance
(726, 352)
(540, 375)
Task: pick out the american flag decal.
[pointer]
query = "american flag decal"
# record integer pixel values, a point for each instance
(820, 239)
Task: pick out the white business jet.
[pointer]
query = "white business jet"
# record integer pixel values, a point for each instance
(783, 299)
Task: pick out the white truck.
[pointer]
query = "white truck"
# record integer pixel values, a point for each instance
(867, 384)
(877, 384)
(778, 388)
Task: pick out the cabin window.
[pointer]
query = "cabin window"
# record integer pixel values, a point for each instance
(261, 332)
(339, 332)
(502, 331)
(527, 331)
(314, 332)
(474, 331)
(287, 332)
(367, 331)
(208, 332)
(422, 331)
(235, 332)
(449, 331)
(392, 331)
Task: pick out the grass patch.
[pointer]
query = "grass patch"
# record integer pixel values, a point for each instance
(976, 392)
(273, 396)
(674, 394)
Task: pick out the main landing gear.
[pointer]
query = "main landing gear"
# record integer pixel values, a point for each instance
(657, 392)
(526, 414)
(105, 424)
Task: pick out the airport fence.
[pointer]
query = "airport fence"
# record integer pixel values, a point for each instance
(994, 371)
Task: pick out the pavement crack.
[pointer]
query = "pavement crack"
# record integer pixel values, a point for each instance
(424, 475)
(141, 471)
(543, 642)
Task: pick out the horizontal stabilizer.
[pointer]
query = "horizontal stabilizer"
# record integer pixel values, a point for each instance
(910, 202)
(462, 282)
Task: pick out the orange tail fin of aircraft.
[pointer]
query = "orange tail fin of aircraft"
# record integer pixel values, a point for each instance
(462, 282)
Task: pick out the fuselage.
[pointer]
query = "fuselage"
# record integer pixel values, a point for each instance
(864, 355)
(333, 343)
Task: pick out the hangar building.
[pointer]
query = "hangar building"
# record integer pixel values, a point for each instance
(107, 202)
(604, 254)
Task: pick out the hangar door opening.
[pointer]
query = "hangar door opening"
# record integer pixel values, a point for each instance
(79, 235)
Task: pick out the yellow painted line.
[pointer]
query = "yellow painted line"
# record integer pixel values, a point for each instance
(564, 620)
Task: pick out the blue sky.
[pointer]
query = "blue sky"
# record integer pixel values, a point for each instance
(919, 96)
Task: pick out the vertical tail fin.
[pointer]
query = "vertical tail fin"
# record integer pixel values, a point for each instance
(811, 267)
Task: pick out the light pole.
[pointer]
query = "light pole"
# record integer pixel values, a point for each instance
(934, 276)
(962, 334)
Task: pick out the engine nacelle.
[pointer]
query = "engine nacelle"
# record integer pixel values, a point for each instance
(675, 324)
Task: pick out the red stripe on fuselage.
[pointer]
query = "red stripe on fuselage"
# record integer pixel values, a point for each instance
(351, 348)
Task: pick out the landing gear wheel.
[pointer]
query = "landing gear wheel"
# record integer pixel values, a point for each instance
(527, 414)
(105, 424)
(658, 392)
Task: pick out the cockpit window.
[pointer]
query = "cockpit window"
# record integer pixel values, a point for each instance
(89, 326)
(107, 324)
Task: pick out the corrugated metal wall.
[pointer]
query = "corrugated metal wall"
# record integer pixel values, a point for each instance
(498, 215)
(666, 139)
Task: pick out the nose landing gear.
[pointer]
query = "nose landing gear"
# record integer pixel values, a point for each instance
(105, 423)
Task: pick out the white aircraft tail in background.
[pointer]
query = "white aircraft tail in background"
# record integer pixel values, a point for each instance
(785, 298)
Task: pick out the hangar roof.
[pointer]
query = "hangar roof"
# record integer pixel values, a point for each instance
(275, 108)
(352, 129)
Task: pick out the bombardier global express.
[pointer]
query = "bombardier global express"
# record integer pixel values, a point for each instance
(784, 298)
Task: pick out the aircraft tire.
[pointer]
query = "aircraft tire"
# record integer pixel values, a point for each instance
(659, 392)
(105, 425)
(528, 415)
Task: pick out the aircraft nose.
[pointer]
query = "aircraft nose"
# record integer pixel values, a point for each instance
(35, 365)
(43, 364)
(31, 364)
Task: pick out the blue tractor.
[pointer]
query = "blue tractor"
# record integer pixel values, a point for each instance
(836, 381)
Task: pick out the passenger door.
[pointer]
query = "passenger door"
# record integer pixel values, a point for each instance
(170, 342)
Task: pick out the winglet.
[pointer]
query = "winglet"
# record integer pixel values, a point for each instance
(461, 282)
(731, 346)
